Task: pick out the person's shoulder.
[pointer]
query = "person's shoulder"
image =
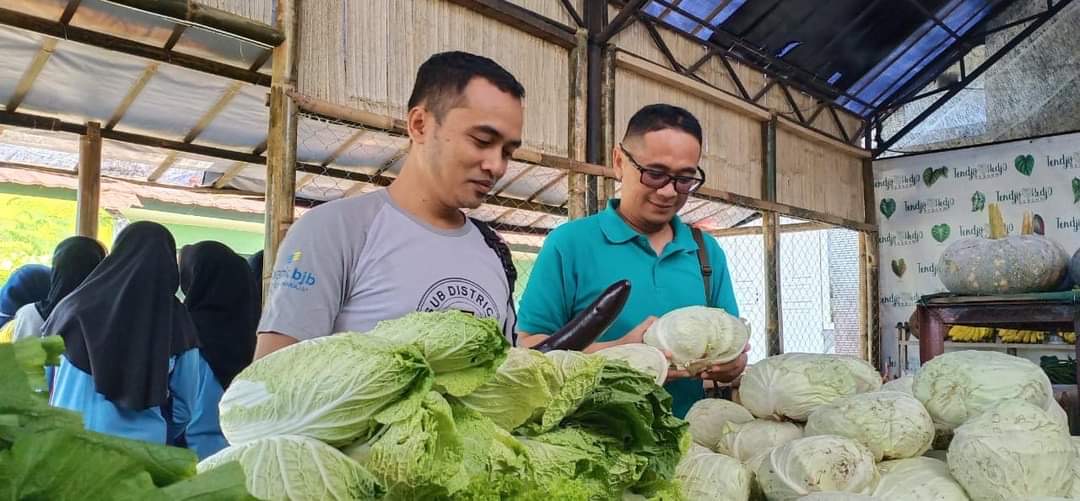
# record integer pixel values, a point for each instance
(712, 245)
(575, 230)
(357, 211)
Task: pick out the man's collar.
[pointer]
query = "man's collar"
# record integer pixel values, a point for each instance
(618, 231)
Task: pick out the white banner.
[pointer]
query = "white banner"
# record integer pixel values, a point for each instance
(926, 202)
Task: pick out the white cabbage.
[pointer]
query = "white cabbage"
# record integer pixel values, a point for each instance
(708, 416)
(903, 384)
(743, 441)
(918, 479)
(891, 424)
(297, 469)
(640, 356)
(816, 464)
(337, 389)
(958, 386)
(838, 496)
(699, 336)
(1012, 451)
(713, 477)
(792, 385)
(1075, 491)
(696, 449)
(523, 386)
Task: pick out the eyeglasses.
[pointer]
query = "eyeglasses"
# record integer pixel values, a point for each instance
(657, 178)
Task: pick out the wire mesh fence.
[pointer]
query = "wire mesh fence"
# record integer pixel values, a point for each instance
(747, 267)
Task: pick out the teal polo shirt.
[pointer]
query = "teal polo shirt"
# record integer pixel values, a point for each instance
(581, 258)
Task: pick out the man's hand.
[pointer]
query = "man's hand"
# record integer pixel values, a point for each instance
(727, 372)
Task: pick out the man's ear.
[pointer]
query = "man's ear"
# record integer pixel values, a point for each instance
(418, 123)
(616, 162)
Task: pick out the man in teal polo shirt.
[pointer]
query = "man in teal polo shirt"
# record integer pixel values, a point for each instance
(639, 238)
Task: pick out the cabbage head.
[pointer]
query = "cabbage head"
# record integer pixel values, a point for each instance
(958, 386)
(743, 441)
(709, 477)
(698, 337)
(523, 386)
(640, 356)
(495, 464)
(576, 375)
(918, 479)
(891, 424)
(838, 496)
(903, 384)
(792, 385)
(417, 457)
(814, 464)
(696, 449)
(337, 389)
(463, 350)
(1075, 492)
(297, 468)
(1012, 451)
(571, 463)
(708, 417)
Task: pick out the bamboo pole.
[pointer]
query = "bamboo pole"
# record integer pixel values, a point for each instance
(774, 340)
(606, 190)
(281, 139)
(579, 75)
(218, 20)
(869, 314)
(88, 198)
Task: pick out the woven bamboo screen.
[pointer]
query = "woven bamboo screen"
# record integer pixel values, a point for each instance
(258, 10)
(813, 176)
(731, 155)
(553, 9)
(364, 54)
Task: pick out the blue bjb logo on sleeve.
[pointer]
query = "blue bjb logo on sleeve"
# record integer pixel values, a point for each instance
(292, 276)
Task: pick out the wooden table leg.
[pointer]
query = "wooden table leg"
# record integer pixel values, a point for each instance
(931, 334)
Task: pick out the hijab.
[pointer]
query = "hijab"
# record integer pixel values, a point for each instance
(27, 284)
(124, 323)
(218, 293)
(255, 262)
(73, 260)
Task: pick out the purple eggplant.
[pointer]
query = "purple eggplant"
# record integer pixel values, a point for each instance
(585, 328)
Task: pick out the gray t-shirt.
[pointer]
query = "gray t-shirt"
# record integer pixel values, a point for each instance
(350, 263)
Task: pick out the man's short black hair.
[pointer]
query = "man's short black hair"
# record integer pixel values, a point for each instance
(441, 80)
(656, 117)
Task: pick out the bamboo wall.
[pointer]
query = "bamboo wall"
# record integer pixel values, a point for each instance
(259, 10)
(813, 176)
(553, 9)
(364, 54)
(731, 150)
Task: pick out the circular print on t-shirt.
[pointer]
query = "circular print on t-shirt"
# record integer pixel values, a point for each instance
(458, 294)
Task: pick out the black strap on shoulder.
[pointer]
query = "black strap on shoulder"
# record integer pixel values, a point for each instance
(703, 261)
(497, 244)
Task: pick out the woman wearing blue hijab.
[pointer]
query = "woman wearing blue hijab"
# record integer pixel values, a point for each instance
(73, 260)
(28, 284)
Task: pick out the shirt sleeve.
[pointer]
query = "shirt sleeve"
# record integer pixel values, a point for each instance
(723, 287)
(547, 301)
(310, 276)
(203, 433)
(26, 324)
(184, 384)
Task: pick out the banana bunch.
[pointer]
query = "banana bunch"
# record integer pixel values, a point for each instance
(1021, 336)
(964, 333)
(1069, 337)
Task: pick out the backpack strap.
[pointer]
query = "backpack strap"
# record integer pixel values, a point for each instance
(703, 261)
(501, 249)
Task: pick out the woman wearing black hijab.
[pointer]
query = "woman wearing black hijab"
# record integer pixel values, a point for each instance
(72, 262)
(130, 345)
(218, 293)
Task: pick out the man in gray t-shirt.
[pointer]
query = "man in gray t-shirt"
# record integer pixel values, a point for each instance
(348, 264)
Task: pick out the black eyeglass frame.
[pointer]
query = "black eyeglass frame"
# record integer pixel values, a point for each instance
(669, 178)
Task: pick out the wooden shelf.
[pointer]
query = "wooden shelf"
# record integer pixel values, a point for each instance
(1020, 346)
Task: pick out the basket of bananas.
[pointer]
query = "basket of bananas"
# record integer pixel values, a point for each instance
(1021, 336)
(968, 334)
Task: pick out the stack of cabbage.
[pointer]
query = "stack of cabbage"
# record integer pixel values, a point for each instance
(819, 427)
(437, 406)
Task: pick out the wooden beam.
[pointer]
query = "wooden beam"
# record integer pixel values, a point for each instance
(305, 181)
(214, 111)
(822, 139)
(281, 162)
(665, 76)
(626, 16)
(355, 189)
(69, 11)
(774, 341)
(579, 88)
(260, 149)
(869, 204)
(547, 186)
(504, 213)
(524, 172)
(869, 311)
(522, 19)
(88, 197)
(187, 12)
(787, 210)
(344, 147)
(163, 167)
(30, 75)
(132, 94)
(234, 170)
(791, 102)
(134, 182)
(174, 37)
(118, 44)
(768, 159)
(734, 76)
(261, 60)
(784, 228)
(839, 125)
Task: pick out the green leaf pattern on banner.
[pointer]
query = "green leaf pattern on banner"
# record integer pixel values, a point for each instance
(888, 207)
(978, 201)
(1076, 190)
(1025, 164)
(941, 232)
(899, 267)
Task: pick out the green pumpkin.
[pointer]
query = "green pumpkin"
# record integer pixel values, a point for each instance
(1003, 264)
